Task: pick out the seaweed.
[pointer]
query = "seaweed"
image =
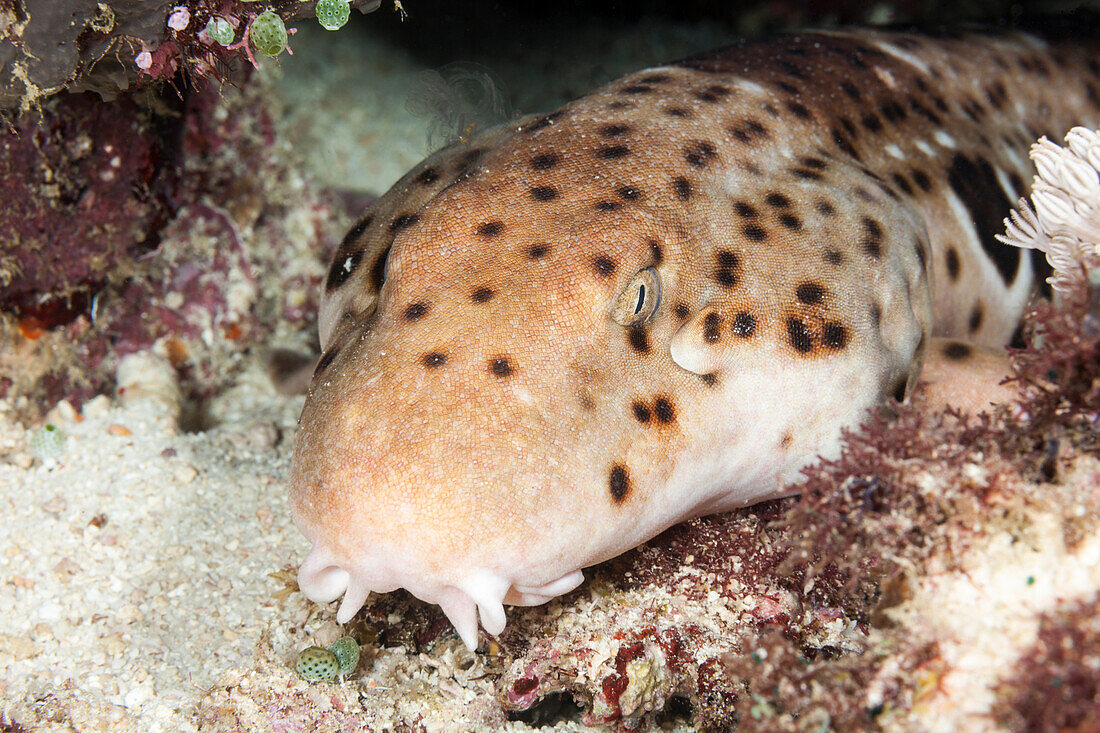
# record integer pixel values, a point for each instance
(1056, 684)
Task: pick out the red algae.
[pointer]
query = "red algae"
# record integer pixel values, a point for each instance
(86, 187)
(1056, 685)
(783, 690)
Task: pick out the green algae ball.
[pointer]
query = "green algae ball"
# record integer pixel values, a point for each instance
(347, 654)
(47, 442)
(268, 34)
(333, 14)
(220, 30)
(317, 664)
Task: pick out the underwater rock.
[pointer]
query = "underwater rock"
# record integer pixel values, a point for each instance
(110, 47)
(86, 187)
(135, 226)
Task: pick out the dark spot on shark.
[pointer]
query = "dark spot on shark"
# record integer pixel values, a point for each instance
(810, 293)
(956, 351)
(416, 311)
(726, 272)
(501, 366)
(951, 262)
(834, 335)
(543, 193)
(790, 221)
(921, 179)
(663, 410)
(975, 183)
(744, 324)
(712, 328)
(903, 183)
(613, 152)
(490, 229)
(604, 266)
(974, 323)
(614, 130)
(434, 359)
(428, 176)
(872, 122)
(845, 145)
(748, 130)
(618, 483)
(700, 153)
(871, 241)
(744, 210)
(799, 336)
(799, 110)
(545, 161)
(777, 200)
(404, 221)
(344, 263)
(755, 232)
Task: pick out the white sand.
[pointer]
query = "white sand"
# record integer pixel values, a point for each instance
(135, 565)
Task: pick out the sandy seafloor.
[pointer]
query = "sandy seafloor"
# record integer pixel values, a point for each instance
(136, 561)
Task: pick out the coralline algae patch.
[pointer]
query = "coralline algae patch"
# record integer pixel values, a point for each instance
(85, 188)
(224, 250)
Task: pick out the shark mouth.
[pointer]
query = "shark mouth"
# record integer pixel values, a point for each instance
(479, 595)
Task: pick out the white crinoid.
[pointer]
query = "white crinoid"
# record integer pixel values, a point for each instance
(1063, 219)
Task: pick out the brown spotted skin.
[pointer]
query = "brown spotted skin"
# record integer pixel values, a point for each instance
(487, 419)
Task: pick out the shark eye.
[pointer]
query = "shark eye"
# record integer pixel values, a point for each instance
(637, 303)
